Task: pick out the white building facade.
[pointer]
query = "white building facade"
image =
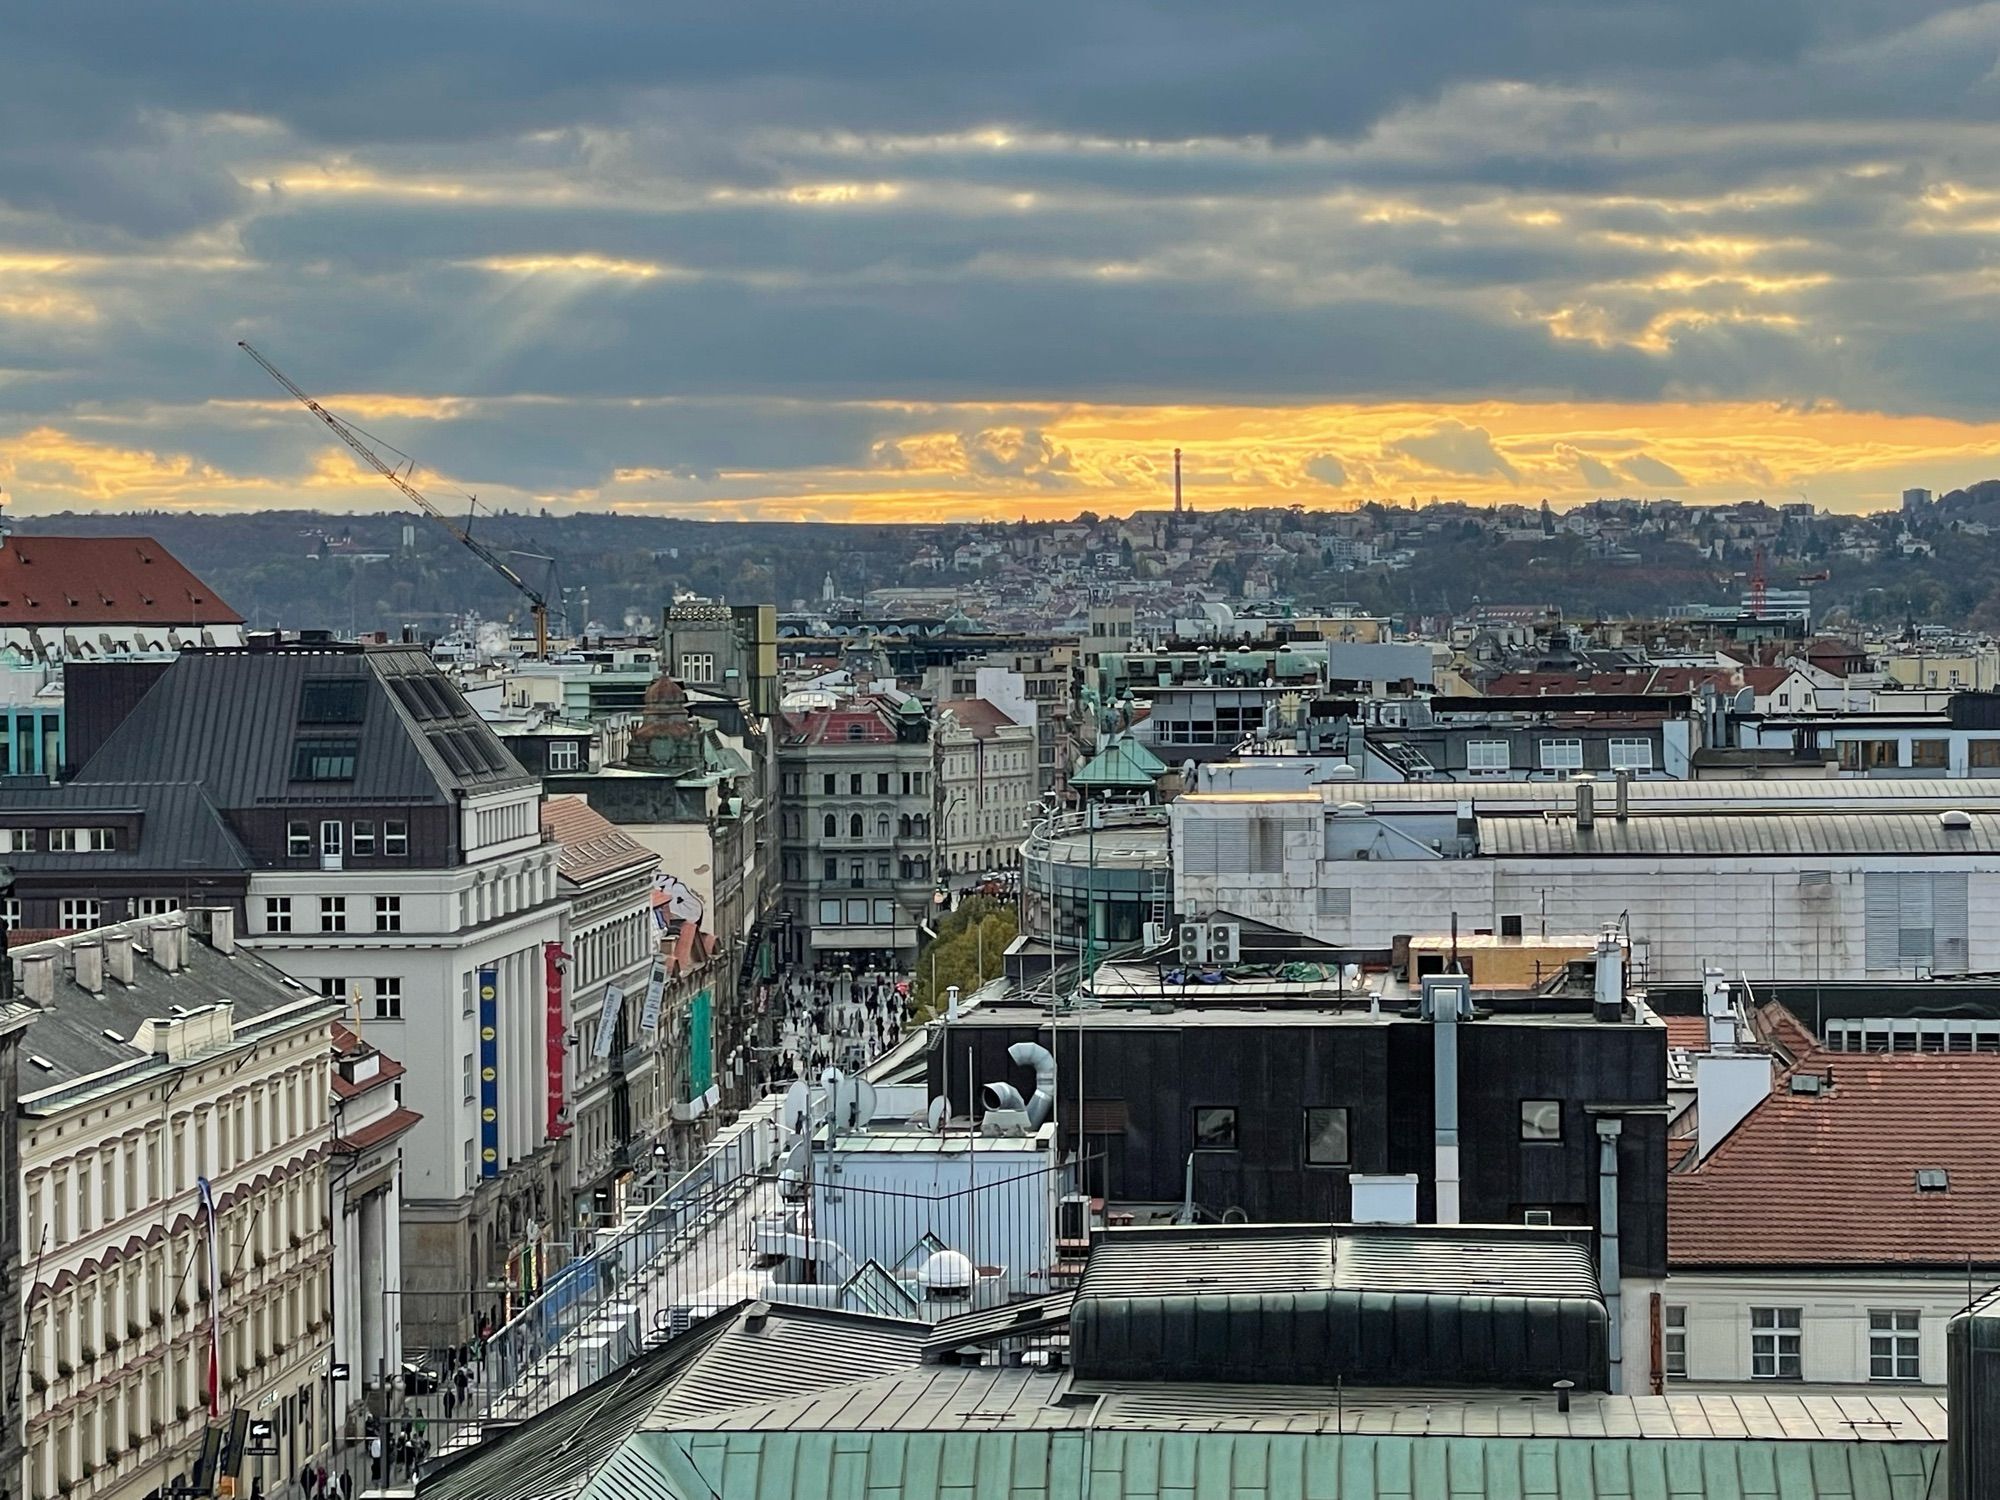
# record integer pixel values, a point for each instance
(370, 1122)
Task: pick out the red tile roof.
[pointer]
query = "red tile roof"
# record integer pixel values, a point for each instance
(976, 716)
(864, 721)
(60, 581)
(347, 1044)
(375, 1132)
(590, 844)
(1687, 1032)
(1829, 1179)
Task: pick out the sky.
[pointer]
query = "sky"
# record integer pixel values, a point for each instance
(893, 260)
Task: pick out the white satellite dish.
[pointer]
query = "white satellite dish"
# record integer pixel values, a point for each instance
(830, 1079)
(797, 1100)
(938, 1113)
(862, 1102)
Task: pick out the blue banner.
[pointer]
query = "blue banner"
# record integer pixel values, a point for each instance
(701, 1042)
(489, 1072)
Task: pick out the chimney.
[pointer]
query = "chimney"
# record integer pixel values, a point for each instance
(1624, 794)
(218, 925)
(1718, 1010)
(163, 943)
(118, 958)
(1447, 999)
(1609, 1001)
(87, 960)
(38, 978)
(1727, 1086)
(1586, 802)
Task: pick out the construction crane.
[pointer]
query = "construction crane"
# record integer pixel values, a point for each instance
(538, 604)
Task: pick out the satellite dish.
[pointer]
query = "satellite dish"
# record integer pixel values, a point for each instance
(938, 1113)
(830, 1079)
(1187, 772)
(797, 1100)
(795, 1159)
(863, 1104)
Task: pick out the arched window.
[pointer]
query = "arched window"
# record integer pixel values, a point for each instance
(854, 825)
(882, 826)
(903, 826)
(830, 825)
(921, 825)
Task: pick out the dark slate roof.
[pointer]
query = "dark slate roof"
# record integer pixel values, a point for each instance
(70, 1034)
(230, 718)
(180, 829)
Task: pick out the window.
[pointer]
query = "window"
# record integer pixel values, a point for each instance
(1930, 755)
(298, 840)
(1541, 1120)
(881, 783)
(1892, 1344)
(331, 834)
(468, 1086)
(1326, 1137)
(1487, 757)
(826, 784)
(388, 999)
(467, 982)
(331, 987)
(857, 910)
(10, 912)
(829, 912)
(332, 700)
(885, 912)
(396, 838)
(1867, 755)
(562, 755)
(1675, 1341)
(1215, 1128)
(1631, 755)
(79, 913)
(1562, 755)
(277, 913)
(323, 760)
(1510, 924)
(156, 906)
(333, 914)
(388, 913)
(20, 841)
(831, 870)
(697, 667)
(882, 827)
(361, 837)
(81, 840)
(1774, 1343)
(1984, 754)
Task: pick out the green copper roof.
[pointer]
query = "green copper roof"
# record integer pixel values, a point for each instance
(1123, 762)
(1087, 1465)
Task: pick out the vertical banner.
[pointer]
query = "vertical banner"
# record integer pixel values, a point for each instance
(206, 1190)
(701, 1043)
(607, 1020)
(489, 1072)
(656, 991)
(558, 1038)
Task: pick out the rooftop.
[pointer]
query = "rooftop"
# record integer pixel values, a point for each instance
(61, 582)
(1860, 830)
(1830, 1178)
(590, 846)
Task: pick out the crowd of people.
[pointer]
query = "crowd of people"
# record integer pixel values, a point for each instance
(837, 1020)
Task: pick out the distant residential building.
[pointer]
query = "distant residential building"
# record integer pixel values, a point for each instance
(857, 840)
(986, 786)
(1916, 501)
(164, 1060)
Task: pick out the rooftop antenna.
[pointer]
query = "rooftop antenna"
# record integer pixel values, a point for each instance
(1177, 481)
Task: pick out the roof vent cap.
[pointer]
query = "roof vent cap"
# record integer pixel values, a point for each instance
(1933, 1180)
(1955, 820)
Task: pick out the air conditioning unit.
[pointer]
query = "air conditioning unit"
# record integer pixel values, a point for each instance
(1224, 941)
(1156, 935)
(1194, 942)
(1538, 1218)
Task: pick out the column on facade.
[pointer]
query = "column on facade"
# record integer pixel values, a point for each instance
(372, 1352)
(347, 1298)
(392, 1269)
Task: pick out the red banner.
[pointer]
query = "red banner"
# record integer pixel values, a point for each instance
(558, 1036)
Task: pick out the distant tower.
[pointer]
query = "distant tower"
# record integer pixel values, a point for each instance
(1177, 481)
(826, 590)
(1757, 586)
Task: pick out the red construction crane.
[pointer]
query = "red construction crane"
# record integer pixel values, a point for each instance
(537, 604)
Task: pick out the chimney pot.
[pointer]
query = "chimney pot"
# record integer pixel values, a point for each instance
(38, 978)
(218, 925)
(118, 957)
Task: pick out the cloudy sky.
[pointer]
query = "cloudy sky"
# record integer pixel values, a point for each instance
(884, 258)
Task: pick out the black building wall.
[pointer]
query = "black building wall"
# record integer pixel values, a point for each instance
(1143, 1084)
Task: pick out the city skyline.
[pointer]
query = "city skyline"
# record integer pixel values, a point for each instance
(868, 266)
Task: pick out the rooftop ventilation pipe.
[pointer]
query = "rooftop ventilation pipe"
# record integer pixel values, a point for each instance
(1608, 1130)
(1624, 794)
(1609, 1003)
(1447, 999)
(1586, 803)
(1042, 1103)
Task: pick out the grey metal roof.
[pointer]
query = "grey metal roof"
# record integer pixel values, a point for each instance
(1913, 793)
(1848, 831)
(1167, 1263)
(80, 1034)
(553, 1455)
(775, 1350)
(1462, 1263)
(1035, 1318)
(180, 828)
(229, 719)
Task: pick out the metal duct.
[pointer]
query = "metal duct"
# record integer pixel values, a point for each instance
(1002, 1096)
(1042, 1103)
(1609, 1281)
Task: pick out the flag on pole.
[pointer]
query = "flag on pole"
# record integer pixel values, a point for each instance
(207, 1192)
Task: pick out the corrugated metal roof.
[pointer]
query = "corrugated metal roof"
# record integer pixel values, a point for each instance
(1914, 793)
(784, 1350)
(1039, 1315)
(180, 829)
(1850, 831)
(1163, 1263)
(1467, 1264)
(1256, 1466)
